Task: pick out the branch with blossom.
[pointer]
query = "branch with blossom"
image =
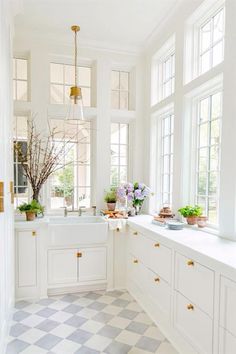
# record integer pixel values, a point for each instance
(135, 193)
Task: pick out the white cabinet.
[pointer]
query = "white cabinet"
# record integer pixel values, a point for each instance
(194, 324)
(26, 263)
(92, 264)
(160, 259)
(196, 282)
(62, 266)
(228, 305)
(227, 342)
(75, 266)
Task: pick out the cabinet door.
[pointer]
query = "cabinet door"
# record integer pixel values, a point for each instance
(227, 342)
(26, 262)
(62, 266)
(92, 264)
(228, 305)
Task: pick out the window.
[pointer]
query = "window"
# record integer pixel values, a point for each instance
(163, 72)
(166, 162)
(208, 154)
(71, 183)
(211, 37)
(119, 90)
(20, 79)
(21, 190)
(119, 153)
(167, 76)
(63, 77)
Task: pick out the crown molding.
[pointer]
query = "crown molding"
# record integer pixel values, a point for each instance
(66, 40)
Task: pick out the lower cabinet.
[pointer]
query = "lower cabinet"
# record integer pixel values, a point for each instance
(73, 266)
(62, 266)
(227, 342)
(193, 324)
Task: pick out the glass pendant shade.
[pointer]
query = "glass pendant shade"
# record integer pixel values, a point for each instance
(75, 111)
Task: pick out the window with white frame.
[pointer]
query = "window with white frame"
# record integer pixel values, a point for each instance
(167, 76)
(119, 90)
(119, 153)
(209, 118)
(20, 79)
(62, 77)
(211, 41)
(166, 158)
(163, 72)
(20, 133)
(71, 184)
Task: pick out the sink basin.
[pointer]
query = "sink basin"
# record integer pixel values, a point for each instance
(77, 230)
(74, 220)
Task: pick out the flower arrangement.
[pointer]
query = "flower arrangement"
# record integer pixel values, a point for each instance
(135, 193)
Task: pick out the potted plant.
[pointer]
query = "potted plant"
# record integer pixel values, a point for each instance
(191, 213)
(31, 209)
(111, 199)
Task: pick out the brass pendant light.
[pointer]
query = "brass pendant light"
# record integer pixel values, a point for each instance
(75, 111)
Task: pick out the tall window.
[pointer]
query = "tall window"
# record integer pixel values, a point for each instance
(167, 75)
(208, 154)
(20, 128)
(119, 90)
(20, 79)
(63, 77)
(167, 131)
(71, 183)
(119, 153)
(211, 35)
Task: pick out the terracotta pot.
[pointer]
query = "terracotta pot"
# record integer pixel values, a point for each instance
(111, 206)
(201, 221)
(192, 220)
(30, 216)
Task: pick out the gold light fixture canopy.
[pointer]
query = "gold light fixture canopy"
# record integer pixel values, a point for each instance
(75, 111)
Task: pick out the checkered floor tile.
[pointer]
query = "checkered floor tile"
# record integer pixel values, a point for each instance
(86, 323)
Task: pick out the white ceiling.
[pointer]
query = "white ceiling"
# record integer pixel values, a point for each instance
(123, 23)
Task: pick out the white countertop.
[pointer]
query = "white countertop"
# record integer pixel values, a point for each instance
(214, 247)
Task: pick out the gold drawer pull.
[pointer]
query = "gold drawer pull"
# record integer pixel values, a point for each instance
(157, 245)
(135, 233)
(135, 261)
(34, 233)
(190, 263)
(157, 280)
(79, 254)
(190, 307)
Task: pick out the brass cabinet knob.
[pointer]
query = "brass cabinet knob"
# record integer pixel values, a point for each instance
(135, 233)
(190, 307)
(135, 261)
(157, 280)
(157, 245)
(190, 263)
(79, 254)
(34, 233)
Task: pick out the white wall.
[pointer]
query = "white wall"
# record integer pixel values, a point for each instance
(40, 51)
(176, 25)
(6, 174)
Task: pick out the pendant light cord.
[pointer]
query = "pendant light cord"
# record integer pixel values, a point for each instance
(76, 54)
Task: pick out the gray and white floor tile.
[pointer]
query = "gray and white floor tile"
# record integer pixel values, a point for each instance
(85, 323)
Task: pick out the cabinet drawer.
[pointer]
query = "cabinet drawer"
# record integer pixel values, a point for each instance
(196, 282)
(159, 290)
(138, 245)
(193, 324)
(227, 343)
(135, 271)
(228, 305)
(159, 259)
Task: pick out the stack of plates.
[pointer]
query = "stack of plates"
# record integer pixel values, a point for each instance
(175, 225)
